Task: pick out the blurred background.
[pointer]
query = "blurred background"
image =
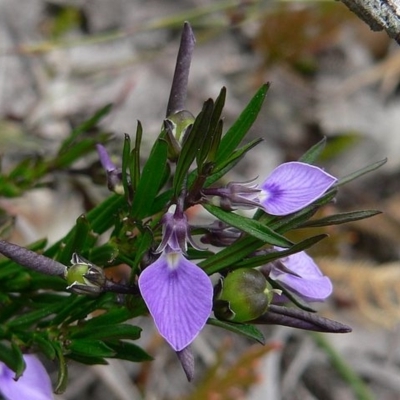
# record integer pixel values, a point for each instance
(330, 77)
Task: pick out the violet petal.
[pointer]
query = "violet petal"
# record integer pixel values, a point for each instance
(105, 159)
(178, 295)
(309, 282)
(34, 384)
(293, 186)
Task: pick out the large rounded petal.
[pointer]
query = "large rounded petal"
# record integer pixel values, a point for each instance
(293, 186)
(307, 280)
(178, 295)
(34, 384)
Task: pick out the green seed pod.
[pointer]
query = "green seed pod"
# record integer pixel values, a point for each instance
(84, 277)
(244, 295)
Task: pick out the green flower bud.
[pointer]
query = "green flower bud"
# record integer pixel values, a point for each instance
(243, 295)
(180, 121)
(176, 126)
(84, 277)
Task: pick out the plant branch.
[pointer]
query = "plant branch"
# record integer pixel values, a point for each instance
(378, 14)
(31, 260)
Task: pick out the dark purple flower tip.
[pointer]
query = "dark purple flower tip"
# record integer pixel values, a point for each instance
(176, 233)
(302, 276)
(293, 186)
(34, 384)
(186, 359)
(105, 159)
(178, 295)
(220, 234)
(236, 194)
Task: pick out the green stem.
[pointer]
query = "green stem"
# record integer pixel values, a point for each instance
(360, 389)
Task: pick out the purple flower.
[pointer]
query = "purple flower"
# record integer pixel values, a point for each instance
(34, 384)
(299, 274)
(177, 292)
(293, 186)
(289, 188)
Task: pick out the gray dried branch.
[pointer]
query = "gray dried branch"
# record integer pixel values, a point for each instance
(378, 14)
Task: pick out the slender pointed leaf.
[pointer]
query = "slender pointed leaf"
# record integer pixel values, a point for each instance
(91, 348)
(341, 218)
(247, 330)
(230, 255)
(191, 145)
(250, 226)
(312, 154)
(152, 175)
(239, 129)
(85, 126)
(62, 378)
(360, 172)
(128, 351)
(120, 331)
(257, 261)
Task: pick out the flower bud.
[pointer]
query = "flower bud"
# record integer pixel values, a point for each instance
(84, 277)
(243, 295)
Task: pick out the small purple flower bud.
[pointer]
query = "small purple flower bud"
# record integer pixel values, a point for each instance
(114, 174)
(220, 234)
(33, 384)
(176, 233)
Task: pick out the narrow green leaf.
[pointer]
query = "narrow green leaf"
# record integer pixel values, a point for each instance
(257, 261)
(239, 129)
(45, 345)
(19, 358)
(360, 172)
(213, 134)
(135, 165)
(293, 221)
(247, 330)
(250, 226)
(10, 358)
(341, 218)
(30, 318)
(192, 144)
(144, 245)
(230, 255)
(71, 154)
(86, 307)
(222, 168)
(85, 126)
(62, 378)
(126, 164)
(100, 219)
(75, 243)
(120, 331)
(91, 348)
(128, 351)
(114, 316)
(312, 154)
(87, 360)
(151, 177)
(292, 297)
